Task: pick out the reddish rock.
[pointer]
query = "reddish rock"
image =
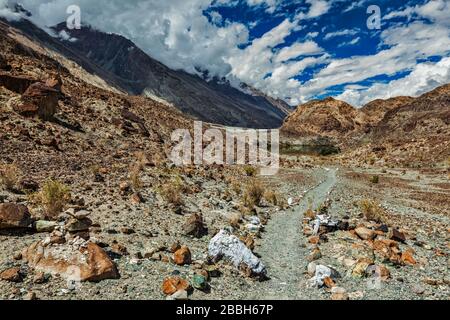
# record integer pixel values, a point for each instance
(174, 284)
(408, 258)
(182, 256)
(397, 236)
(14, 83)
(40, 100)
(11, 275)
(314, 240)
(329, 283)
(14, 216)
(87, 262)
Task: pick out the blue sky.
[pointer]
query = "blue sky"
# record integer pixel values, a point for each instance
(295, 50)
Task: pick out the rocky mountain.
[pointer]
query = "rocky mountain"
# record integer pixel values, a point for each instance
(323, 118)
(401, 129)
(132, 70)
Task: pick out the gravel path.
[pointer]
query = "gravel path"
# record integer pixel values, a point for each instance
(281, 248)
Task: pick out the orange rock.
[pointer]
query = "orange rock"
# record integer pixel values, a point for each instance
(174, 284)
(182, 256)
(87, 263)
(11, 275)
(14, 216)
(407, 257)
(329, 283)
(314, 240)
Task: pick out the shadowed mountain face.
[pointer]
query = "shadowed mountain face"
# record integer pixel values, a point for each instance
(135, 72)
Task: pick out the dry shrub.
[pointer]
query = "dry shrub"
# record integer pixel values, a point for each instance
(310, 214)
(135, 177)
(372, 210)
(10, 175)
(250, 171)
(173, 190)
(253, 193)
(53, 197)
(236, 187)
(275, 198)
(375, 179)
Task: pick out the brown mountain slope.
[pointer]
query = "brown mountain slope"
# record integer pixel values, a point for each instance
(91, 126)
(377, 109)
(323, 118)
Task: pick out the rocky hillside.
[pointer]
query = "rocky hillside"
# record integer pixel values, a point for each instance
(402, 130)
(323, 118)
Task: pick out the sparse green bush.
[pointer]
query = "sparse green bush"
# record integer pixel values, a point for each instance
(253, 193)
(173, 190)
(372, 211)
(53, 197)
(375, 179)
(250, 171)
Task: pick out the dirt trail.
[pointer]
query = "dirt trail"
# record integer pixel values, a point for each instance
(281, 251)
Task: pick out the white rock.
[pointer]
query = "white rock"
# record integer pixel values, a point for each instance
(179, 295)
(227, 246)
(312, 268)
(290, 201)
(321, 273)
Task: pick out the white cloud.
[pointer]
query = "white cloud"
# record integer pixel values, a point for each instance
(298, 49)
(346, 32)
(423, 78)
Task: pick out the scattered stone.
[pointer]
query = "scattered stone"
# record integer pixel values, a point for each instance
(311, 269)
(328, 282)
(14, 216)
(127, 231)
(77, 225)
(397, 235)
(194, 226)
(365, 233)
(408, 258)
(38, 99)
(81, 259)
(45, 226)
(182, 256)
(418, 289)
(11, 275)
(339, 293)
(17, 256)
(174, 284)
(227, 246)
(30, 296)
(41, 277)
(359, 270)
(315, 254)
(199, 282)
(321, 273)
(119, 249)
(314, 240)
(179, 295)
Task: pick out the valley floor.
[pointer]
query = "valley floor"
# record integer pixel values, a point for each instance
(417, 203)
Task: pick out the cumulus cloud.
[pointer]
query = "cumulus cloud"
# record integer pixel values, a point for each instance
(423, 78)
(192, 35)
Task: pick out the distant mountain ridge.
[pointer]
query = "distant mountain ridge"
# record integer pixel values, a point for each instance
(123, 65)
(138, 74)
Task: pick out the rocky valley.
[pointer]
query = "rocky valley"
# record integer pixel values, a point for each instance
(91, 206)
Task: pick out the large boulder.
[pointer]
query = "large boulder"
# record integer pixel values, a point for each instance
(14, 216)
(229, 247)
(39, 99)
(4, 64)
(16, 84)
(78, 260)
